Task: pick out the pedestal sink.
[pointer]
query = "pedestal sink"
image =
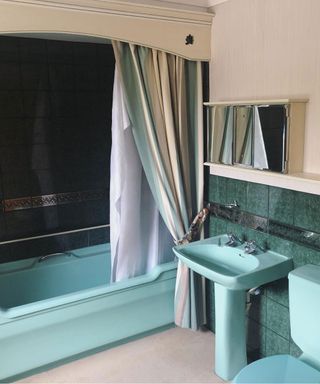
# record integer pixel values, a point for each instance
(233, 272)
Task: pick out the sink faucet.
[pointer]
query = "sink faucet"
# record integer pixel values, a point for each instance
(233, 240)
(251, 247)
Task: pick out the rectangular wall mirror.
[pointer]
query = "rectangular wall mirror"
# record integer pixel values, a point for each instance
(252, 136)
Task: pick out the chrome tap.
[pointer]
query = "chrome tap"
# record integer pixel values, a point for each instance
(251, 247)
(232, 205)
(233, 240)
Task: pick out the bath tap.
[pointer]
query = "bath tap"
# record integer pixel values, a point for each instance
(233, 240)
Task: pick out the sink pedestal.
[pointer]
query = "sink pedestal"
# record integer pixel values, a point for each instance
(230, 339)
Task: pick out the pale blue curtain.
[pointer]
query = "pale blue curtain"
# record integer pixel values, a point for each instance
(164, 102)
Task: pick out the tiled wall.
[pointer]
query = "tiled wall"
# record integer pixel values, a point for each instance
(55, 137)
(268, 316)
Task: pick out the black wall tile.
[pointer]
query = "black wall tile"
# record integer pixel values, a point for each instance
(87, 77)
(9, 48)
(54, 139)
(63, 104)
(5, 253)
(13, 132)
(11, 104)
(85, 53)
(16, 184)
(33, 50)
(60, 51)
(41, 155)
(40, 130)
(37, 103)
(9, 76)
(24, 223)
(15, 158)
(62, 77)
(99, 236)
(34, 76)
(43, 182)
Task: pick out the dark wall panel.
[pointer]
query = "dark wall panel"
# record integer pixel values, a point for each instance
(55, 125)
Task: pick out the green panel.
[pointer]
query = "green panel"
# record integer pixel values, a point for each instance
(268, 317)
(218, 189)
(278, 318)
(237, 190)
(276, 344)
(281, 205)
(258, 309)
(280, 245)
(217, 226)
(299, 255)
(278, 291)
(312, 256)
(257, 199)
(210, 305)
(256, 338)
(306, 214)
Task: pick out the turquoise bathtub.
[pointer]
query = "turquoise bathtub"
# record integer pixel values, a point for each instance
(64, 306)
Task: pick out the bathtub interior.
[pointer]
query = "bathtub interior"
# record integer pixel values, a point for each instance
(33, 280)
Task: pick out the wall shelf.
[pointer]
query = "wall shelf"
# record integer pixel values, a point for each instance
(302, 182)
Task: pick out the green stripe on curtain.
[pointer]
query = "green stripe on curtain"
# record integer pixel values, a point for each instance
(164, 102)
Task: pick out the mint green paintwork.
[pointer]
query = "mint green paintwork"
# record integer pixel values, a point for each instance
(230, 266)
(36, 331)
(304, 292)
(278, 369)
(233, 272)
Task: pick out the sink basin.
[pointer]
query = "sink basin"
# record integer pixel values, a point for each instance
(231, 266)
(233, 272)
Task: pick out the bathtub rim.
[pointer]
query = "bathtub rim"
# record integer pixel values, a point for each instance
(87, 294)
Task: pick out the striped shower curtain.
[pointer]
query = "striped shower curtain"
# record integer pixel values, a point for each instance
(163, 95)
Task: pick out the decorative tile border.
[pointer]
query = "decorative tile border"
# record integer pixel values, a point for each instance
(269, 226)
(31, 202)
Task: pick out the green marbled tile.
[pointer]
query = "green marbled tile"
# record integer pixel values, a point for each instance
(294, 349)
(210, 302)
(285, 247)
(278, 291)
(236, 229)
(312, 256)
(237, 190)
(281, 205)
(257, 199)
(256, 337)
(299, 254)
(260, 238)
(218, 189)
(278, 318)
(217, 226)
(307, 211)
(276, 344)
(257, 309)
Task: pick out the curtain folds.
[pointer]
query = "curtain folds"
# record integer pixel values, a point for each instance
(139, 238)
(163, 96)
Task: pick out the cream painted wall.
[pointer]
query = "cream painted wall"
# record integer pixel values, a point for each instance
(264, 49)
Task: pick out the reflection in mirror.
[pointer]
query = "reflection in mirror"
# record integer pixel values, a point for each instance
(273, 124)
(220, 135)
(243, 136)
(248, 135)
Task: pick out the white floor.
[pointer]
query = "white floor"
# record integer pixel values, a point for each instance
(173, 356)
